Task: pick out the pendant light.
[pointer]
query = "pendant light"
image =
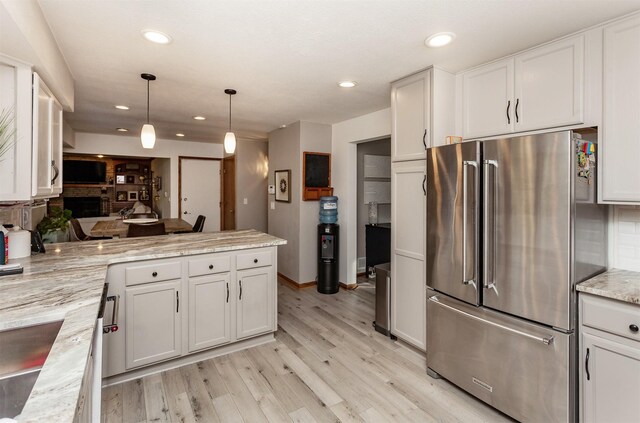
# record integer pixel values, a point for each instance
(229, 137)
(148, 133)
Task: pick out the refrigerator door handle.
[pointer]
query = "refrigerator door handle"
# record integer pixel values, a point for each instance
(466, 281)
(545, 340)
(489, 233)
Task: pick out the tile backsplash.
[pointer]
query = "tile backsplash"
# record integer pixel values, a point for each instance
(625, 238)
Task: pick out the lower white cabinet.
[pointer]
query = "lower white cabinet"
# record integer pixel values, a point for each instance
(256, 304)
(153, 322)
(209, 311)
(610, 360)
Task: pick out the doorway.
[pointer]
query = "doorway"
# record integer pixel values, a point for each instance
(229, 193)
(199, 189)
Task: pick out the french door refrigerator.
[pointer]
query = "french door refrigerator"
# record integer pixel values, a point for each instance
(512, 226)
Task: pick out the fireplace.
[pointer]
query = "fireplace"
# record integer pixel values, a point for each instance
(83, 206)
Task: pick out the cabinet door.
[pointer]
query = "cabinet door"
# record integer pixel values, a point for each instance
(42, 131)
(487, 100)
(620, 148)
(410, 100)
(408, 287)
(152, 323)
(549, 85)
(56, 147)
(15, 158)
(610, 380)
(255, 302)
(209, 311)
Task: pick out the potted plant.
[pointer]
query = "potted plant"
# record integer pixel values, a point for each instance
(55, 227)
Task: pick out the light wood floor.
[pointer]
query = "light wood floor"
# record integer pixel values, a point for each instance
(326, 365)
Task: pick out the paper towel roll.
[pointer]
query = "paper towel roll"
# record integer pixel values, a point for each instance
(19, 244)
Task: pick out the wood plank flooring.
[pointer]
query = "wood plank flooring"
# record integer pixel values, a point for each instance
(326, 365)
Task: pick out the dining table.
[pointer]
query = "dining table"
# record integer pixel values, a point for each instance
(118, 228)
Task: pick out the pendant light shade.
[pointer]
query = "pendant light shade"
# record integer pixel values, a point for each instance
(148, 133)
(230, 137)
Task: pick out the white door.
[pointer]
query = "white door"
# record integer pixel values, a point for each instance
(255, 303)
(549, 85)
(408, 234)
(200, 191)
(152, 323)
(209, 311)
(610, 380)
(410, 99)
(487, 100)
(620, 148)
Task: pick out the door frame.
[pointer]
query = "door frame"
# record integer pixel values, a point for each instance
(180, 158)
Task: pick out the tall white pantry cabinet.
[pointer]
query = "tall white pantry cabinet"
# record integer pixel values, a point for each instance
(422, 108)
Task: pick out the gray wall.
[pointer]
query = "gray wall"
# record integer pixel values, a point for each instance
(252, 168)
(379, 148)
(162, 168)
(284, 220)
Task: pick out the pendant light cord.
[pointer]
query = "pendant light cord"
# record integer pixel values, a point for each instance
(229, 112)
(147, 101)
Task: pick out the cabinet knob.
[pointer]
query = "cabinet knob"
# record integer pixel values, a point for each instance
(633, 328)
(154, 274)
(210, 266)
(255, 260)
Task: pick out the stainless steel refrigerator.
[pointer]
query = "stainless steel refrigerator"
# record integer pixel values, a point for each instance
(512, 226)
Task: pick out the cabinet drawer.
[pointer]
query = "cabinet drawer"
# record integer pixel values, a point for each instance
(254, 259)
(611, 316)
(152, 272)
(209, 264)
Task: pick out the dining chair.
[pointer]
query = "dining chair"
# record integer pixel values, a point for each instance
(136, 230)
(77, 232)
(197, 227)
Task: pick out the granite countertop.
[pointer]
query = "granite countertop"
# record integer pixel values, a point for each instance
(622, 285)
(66, 284)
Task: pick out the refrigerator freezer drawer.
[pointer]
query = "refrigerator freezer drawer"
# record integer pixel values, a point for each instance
(521, 369)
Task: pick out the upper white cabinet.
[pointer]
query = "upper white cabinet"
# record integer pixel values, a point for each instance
(540, 88)
(620, 144)
(47, 142)
(422, 108)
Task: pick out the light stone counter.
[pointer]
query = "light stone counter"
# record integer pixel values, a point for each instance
(66, 284)
(622, 285)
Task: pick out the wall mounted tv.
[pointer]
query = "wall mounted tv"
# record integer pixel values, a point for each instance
(84, 172)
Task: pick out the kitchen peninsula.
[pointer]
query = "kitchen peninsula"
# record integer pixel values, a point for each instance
(66, 284)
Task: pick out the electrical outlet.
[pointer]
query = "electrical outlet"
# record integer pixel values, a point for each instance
(273, 205)
(246, 201)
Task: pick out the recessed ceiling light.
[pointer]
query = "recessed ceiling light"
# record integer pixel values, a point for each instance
(347, 84)
(440, 39)
(122, 130)
(121, 107)
(179, 135)
(100, 156)
(199, 117)
(283, 126)
(156, 36)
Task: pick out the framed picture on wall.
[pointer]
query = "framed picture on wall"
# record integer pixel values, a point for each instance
(121, 195)
(283, 185)
(131, 179)
(120, 179)
(133, 196)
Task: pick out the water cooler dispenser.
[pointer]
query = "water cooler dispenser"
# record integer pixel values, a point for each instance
(328, 242)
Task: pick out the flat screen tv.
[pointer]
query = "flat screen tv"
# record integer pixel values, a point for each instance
(84, 172)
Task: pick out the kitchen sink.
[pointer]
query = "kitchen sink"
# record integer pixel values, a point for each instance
(23, 351)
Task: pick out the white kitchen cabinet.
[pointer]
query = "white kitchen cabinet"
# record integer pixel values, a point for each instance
(15, 163)
(610, 360)
(47, 142)
(422, 109)
(408, 243)
(537, 89)
(620, 146)
(209, 311)
(153, 323)
(255, 307)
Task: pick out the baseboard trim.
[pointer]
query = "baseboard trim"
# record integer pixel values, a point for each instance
(361, 274)
(295, 284)
(348, 287)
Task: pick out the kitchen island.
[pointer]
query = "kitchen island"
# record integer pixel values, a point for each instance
(66, 284)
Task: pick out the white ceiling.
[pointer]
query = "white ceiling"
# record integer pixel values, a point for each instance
(283, 56)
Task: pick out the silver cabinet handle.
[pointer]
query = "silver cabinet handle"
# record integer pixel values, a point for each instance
(546, 341)
(465, 165)
(517, 104)
(114, 315)
(424, 139)
(424, 184)
(586, 365)
(487, 219)
(240, 297)
(55, 170)
(508, 117)
(177, 301)
(227, 291)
